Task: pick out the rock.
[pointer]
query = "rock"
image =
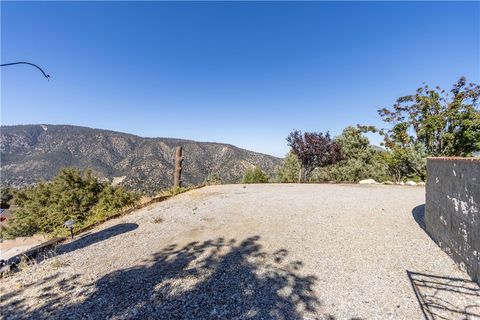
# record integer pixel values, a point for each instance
(387, 182)
(410, 183)
(368, 181)
(118, 180)
(401, 183)
(421, 183)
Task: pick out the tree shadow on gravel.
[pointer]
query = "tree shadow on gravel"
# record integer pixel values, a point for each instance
(215, 279)
(445, 297)
(91, 238)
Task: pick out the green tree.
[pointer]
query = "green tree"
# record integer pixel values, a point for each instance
(255, 175)
(431, 122)
(360, 160)
(444, 123)
(72, 194)
(289, 169)
(409, 162)
(111, 200)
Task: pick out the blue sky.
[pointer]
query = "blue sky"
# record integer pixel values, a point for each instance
(244, 73)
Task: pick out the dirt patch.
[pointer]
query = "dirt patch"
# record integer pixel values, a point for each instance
(11, 248)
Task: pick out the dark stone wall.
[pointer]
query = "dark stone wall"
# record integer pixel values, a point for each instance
(452, 209)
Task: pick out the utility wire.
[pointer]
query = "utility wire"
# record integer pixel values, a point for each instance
(31, 64)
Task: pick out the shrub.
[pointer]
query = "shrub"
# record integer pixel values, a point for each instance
(173, 191)
(110, 201)
(213, 178)
(360, 161)
(289, 170)
(72, 194)
(407, 163)
(352, 170)
(255, 175)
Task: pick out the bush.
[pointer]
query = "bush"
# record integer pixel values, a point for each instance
(255, 175)
(213, 178)
(408, 163)
(110, 201)
(360, 161)
(289, 170)
(173, 191)
(72, 194)
(352, 170)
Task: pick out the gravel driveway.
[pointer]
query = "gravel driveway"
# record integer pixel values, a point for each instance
(275, 251)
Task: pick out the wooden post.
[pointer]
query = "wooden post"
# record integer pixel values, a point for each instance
(177, 175)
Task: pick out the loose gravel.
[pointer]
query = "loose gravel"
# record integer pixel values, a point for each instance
(274, 251)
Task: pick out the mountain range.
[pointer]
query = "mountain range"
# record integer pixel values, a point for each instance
(32, 153)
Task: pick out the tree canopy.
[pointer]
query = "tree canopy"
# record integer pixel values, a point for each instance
(72, 194)
(314, 149)
(289, 169)
(359, 160)
(444, 123)
(255, 175)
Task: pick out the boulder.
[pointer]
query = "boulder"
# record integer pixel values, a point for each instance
(387, 182)
(421, 183)
(368, 181)
(118, 180)
(410, 183)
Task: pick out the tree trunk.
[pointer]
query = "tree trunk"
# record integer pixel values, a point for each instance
(177, 176)
(301, 174)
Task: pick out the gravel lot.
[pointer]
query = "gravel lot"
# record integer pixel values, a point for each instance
(253, 252)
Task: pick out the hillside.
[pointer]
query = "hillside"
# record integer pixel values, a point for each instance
(30, 153)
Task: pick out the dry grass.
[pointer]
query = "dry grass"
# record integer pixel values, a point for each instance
(58, 263)
(157, 220)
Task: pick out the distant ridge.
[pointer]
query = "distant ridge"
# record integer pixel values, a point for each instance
(31, 153)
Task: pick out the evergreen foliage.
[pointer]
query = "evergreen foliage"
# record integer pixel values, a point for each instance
(255, 175)
(360, 160)
(72, 194)
(213, 178)
(289, 169)
(407, 163)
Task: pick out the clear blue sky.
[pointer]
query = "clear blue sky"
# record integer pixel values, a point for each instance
(243, 73)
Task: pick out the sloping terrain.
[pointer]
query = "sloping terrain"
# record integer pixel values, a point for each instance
(253, 252)
(30, 153)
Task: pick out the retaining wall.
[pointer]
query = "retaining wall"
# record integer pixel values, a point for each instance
(452, 209)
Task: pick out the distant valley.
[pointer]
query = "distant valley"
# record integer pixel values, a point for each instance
(31, 153)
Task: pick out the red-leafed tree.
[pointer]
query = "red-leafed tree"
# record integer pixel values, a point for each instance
(314, 149)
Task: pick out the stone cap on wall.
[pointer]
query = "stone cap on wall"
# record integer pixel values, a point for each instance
(465, 159)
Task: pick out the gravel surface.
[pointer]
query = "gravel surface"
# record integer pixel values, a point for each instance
(253, 252)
